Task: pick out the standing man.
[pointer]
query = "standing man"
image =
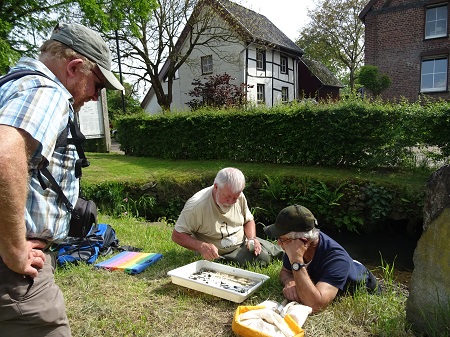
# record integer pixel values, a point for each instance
(34, 112)
(216, 222)
(315, 267)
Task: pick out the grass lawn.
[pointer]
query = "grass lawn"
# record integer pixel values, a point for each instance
(118, 167)
(103, 303)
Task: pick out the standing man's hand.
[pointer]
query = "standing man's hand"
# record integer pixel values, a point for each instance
(27, 261)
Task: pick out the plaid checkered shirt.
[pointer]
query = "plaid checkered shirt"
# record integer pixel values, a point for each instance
(41, 107)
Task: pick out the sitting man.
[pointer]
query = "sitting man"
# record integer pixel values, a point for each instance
(216, 222)
(315, 267)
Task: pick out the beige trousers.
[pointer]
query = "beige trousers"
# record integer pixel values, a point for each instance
(32, 307)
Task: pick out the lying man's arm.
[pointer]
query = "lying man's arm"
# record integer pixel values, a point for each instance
(299, 287)
(318, 296)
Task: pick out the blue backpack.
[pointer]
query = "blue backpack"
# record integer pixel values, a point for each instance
(101, 240)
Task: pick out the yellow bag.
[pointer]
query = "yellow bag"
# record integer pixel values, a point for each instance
(245, 331)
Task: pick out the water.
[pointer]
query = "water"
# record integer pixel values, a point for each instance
(393, 248)
(217, 279)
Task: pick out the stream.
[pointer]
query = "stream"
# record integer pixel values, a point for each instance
(394, 249)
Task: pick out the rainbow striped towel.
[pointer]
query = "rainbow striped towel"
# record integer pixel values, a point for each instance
(130, 262)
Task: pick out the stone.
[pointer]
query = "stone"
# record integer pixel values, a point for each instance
(428, 304)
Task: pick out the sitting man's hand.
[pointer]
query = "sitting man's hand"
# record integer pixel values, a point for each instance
(209, 251)
(254, 246)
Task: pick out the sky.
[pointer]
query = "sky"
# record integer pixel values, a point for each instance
(288, 15)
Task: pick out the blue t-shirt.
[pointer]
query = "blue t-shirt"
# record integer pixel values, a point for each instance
(333, 265)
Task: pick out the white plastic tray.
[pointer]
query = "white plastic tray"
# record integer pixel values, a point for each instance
(186, 276)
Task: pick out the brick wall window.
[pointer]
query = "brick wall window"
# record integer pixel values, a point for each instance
(260, 59)
(207, 64)
(434, 74)
(283, 64)
(260, 94)
(436, 22)
(284, 94)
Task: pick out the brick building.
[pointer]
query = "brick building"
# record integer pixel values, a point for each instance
(409, 41)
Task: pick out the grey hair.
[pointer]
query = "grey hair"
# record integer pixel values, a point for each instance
(232, 177)
(311, 235)
(56, 50)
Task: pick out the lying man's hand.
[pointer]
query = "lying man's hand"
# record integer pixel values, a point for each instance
(290, 292)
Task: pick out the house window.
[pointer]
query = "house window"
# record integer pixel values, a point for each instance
(434, 75)
(207, 64)
(436, 22)
(260, 59)
(283, 65)
(284, 94)
(260, 94)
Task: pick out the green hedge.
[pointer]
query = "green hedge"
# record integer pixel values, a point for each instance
(350, 133)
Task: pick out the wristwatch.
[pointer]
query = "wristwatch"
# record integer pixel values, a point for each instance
(297, 266)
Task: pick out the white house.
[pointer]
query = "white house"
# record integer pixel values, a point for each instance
(259, 55)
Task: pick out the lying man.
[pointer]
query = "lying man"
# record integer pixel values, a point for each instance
(315, 267)
(217, 223)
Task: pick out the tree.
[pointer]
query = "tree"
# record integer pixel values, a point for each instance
(335, 37)
(217, 92)
(147, 32)
(372, 80)
(22, 23)
(115, 108)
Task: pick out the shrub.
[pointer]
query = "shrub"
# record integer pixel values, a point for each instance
(350, 133)
(357, 206)
(217, 92)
